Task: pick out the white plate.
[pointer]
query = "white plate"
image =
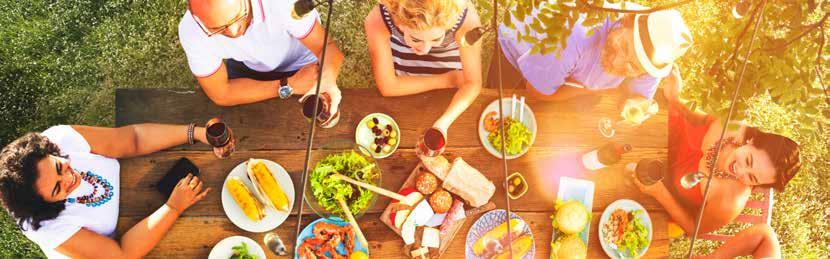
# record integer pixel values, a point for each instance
(528, 119)
(273, 218)
(363, 135)
(223, 249)
(627, 205)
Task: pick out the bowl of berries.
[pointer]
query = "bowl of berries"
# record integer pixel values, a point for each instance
(379, 133)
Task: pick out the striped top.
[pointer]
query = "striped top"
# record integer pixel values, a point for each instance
(441, 59)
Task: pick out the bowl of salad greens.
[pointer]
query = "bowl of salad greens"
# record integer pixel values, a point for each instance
(519, 126)
(625, 230)
(349, 159)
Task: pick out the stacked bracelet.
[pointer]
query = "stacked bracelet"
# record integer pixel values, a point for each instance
(190, 131)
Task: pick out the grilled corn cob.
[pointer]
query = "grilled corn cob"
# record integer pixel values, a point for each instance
(266, 186)
(245, 199)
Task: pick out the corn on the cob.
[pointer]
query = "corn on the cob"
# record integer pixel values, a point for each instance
(266, 186)
(520, 245)
(497, 234)
(245, 199)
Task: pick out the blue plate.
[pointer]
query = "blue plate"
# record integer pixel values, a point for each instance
(307, 233)
(578, 190)
(487, 222)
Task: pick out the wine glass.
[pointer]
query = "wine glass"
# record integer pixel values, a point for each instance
(634, 113)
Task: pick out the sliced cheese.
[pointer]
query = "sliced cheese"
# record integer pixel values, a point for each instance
(422, 213)
(419, 252)
(400, 217)
(431, 238)
(408, 231)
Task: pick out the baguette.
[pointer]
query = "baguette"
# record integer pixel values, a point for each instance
(468, 183)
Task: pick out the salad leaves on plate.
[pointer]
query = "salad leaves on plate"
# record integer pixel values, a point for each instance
(327, 190)
(241, 252)
(518, 137)
(635, 236)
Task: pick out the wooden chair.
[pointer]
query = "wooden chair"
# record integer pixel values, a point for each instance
(765, 205)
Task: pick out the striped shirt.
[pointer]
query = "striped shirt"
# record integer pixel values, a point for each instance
(442, 58)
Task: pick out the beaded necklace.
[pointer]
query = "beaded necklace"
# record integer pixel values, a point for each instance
(710, 153)
(97, 182)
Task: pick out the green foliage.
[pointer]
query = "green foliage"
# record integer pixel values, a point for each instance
(781, 90)
(61, 61)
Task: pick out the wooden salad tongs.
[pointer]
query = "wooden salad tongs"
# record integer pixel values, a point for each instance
(409, 200)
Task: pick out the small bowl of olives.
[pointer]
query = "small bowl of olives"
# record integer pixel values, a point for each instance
(516, 186)
(379, 133)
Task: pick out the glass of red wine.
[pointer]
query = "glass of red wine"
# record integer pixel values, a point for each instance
(648, 171)
(220, 136)
(324, 117)
(432, 143)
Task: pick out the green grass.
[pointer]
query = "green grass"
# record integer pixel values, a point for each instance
(61, 61)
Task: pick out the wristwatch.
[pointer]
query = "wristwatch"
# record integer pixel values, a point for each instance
(285, 90)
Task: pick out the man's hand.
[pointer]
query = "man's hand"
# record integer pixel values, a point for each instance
(305, 78)
(654, 190)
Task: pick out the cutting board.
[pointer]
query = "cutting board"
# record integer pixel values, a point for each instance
(445, 238)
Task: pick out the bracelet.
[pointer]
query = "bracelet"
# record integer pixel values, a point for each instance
(190, 131)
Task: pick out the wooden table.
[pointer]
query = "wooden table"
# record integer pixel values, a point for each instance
(276, 130)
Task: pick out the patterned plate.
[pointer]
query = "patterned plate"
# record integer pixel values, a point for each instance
(487, 222)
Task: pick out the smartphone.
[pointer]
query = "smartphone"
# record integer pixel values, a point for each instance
(179, 171)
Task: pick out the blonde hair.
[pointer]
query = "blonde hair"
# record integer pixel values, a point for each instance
(424, 14)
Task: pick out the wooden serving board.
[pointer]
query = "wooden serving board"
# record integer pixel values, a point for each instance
(445, 238)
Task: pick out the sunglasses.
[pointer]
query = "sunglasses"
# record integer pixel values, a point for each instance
(213, 31)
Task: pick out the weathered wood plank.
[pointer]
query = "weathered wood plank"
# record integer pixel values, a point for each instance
(194, 237)
(541, 167)
(278, 124)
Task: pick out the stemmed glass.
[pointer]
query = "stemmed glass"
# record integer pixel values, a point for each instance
(635, 112)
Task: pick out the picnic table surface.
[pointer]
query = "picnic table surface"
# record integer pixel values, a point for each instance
(276, 130)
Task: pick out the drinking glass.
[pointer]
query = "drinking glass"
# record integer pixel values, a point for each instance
(432, 143)
(221, 137)
(634, 113)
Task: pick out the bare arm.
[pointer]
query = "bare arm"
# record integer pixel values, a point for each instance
(471, 82)
(380, 51)
(721, 208)
(144, 236)
(758, 240)
(334, 58)
(136, 140)
(563, 93)
(225, 92)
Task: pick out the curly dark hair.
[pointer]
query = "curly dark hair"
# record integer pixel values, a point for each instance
(18, 173)
(782, 151)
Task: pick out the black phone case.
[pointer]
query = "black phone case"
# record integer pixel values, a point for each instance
(179, 171)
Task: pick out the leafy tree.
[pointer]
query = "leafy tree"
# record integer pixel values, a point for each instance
(783, 89)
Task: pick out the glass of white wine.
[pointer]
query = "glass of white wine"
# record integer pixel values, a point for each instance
(634, 113)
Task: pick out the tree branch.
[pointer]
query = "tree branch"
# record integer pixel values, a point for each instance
(807, 31)
(647, 11)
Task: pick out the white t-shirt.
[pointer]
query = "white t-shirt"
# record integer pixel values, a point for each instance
(271, 42)
(102, 219)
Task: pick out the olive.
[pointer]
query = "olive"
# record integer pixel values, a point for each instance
(375, 120)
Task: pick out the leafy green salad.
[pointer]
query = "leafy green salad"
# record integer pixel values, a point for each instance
(518, 137)
(635, 236)
(241, 252)
(327, 190)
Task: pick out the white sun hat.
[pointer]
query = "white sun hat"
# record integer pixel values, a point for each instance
(659, 39)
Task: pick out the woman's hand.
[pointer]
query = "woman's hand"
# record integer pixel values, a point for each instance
(654, 190)
(186, 193)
